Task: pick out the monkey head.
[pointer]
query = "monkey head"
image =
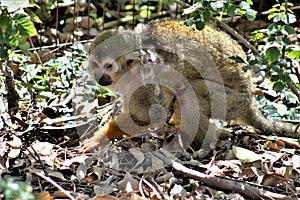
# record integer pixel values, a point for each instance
(107, 71)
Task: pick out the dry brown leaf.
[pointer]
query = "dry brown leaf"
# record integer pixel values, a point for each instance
(272, 146)
(59, 195)
(250, 172)
(280, 144)
(246, 140)
(44, 195)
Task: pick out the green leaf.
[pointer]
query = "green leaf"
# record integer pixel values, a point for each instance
(249, 2)
(206, 16)
(232, 11)
(295, 54)
(20, 16)
(129, 7)
(26, 27)
(286, 78)
(3, 52)
(271, 40)
(145, 13)
(244, 5)
(278, 86)
(289, 18)
(189, 21)
(272, 15)
(24, 47)
(274, 78)
(277, 17)
(195, 15)
(200, 25)
(287, 30)
(285, 42)
(251, 14)
(33, 16)
(258, 36)
(272, 29)
(272, 11)
(12, 30)
(14, 42)
(272, 54)
(245, 155)
(5, 20)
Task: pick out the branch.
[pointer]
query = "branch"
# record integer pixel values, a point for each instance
(238, 36)
(226, 184)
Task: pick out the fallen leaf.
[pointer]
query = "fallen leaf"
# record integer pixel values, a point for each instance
(245, 155)
(44, 195)
(128, 183)
(272, 147)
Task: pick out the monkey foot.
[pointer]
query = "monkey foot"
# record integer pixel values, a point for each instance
(93, 143)
(102, 137)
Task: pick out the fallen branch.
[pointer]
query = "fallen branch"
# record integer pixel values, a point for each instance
(226, 184)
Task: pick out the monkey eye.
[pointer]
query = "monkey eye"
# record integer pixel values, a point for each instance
(129, 62)
(107, 66)
(94, 64)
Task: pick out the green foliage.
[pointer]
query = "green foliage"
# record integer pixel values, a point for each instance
(276, 55)
(144, 11)
(50, 79)
(204, 10)
(279, 53)
(15, 28)
(11, 189)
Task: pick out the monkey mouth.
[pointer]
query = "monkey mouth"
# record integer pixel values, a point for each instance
(105, 80)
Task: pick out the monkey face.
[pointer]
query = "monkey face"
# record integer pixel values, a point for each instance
(104, 72)
(108, 71)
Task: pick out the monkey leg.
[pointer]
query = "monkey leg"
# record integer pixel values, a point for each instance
(102, 137)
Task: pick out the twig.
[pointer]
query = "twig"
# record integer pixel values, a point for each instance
(141, 188)
(238, 36)
(296, 129)
(225, 184)
(153, 188)
(294, 90)
(54, 183)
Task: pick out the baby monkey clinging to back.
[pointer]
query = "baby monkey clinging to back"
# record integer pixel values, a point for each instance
(160, 68)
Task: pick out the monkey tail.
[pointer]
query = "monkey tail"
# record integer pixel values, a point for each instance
(269, 127)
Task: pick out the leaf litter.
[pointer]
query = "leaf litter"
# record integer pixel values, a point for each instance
(39, 145)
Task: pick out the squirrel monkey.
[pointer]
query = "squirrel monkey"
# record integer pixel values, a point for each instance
(120, 61)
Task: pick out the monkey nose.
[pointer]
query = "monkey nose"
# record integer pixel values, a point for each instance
(105, 80)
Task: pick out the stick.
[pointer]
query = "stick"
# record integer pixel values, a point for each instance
(225, 184)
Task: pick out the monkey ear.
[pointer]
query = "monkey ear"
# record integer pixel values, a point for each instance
(86, 47)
